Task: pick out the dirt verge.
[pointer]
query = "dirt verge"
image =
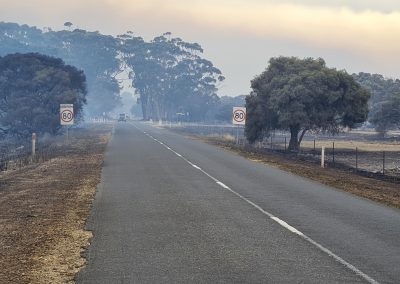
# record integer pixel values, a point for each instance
(384, 192)
(43, 212)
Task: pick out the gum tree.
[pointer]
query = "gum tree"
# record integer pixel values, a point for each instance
(299, 95)
(32, 87)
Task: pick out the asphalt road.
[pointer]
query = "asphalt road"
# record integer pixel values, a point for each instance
(174, 210)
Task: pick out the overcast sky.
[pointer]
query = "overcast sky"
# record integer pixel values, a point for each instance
(240, 36)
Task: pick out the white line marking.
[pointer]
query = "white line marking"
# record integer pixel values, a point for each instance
(281, 222)
(223, 185)
(287, 226)
(196, 167)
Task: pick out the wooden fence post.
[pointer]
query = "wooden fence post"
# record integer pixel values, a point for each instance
(33, 145)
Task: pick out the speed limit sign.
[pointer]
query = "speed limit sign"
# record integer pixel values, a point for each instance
(66, 114)
(239, 116)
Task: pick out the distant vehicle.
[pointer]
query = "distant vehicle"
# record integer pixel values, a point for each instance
(122, 117)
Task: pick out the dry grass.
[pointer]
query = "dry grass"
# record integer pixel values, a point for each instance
(44, 208)
(352, 145)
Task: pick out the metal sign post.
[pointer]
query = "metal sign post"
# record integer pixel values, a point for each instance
(238, 118)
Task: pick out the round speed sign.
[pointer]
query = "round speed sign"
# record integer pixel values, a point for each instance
(239, 115)
(67, 116)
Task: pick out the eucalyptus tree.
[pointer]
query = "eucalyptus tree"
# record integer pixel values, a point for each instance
(21, 38)
(32, 87)
(97, 55)
(168, 73)
(170, 76)
(384, 103)
(387, 115)
(92, 52)
(301, 95)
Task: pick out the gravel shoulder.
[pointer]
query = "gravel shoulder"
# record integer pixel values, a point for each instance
(44, 208)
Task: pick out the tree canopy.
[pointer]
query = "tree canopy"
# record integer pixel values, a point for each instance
(171, 77)
(222, 111)
(32, 87)
(387, 115)
(303, 94)
(168, 74)
(384, 109)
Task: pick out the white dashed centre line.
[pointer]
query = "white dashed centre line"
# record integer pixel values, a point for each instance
(223, 185)
(274, 218)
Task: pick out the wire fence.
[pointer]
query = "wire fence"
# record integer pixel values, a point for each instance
(17, 159)
(340, 151)
(16, 154)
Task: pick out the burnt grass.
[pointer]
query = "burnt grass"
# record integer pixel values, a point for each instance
(44, 207)
(374, 186)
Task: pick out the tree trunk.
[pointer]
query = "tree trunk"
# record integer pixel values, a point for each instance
(157, 115)
(294, 141)
(150, 108)
(303, 132)
(144, 103)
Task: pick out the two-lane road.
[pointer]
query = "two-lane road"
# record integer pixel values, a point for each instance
(174, 210)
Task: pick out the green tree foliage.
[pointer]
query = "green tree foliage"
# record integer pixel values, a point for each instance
(388, 115)
(171, 77)
(222, 111)
(96, 54)
(92, 52)
(383, 103)
(168, 73)
(68, 24)
(303, 94)
(32, 87)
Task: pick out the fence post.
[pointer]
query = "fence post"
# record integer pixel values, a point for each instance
(323, 157)
(356, 158)
(314, 148)
(285, 144)
(33, 145)
(383, 166)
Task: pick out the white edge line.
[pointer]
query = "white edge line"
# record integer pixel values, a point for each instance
(281, 222)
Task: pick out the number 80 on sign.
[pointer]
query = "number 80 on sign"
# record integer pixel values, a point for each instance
(239, 116)
(66, 114)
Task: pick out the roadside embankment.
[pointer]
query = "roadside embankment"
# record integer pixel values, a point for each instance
(44, 207)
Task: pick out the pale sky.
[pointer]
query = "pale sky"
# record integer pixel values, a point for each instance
(239, 36)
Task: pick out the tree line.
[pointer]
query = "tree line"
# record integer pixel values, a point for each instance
(384, 104)
(169, 75)
(174, 82)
